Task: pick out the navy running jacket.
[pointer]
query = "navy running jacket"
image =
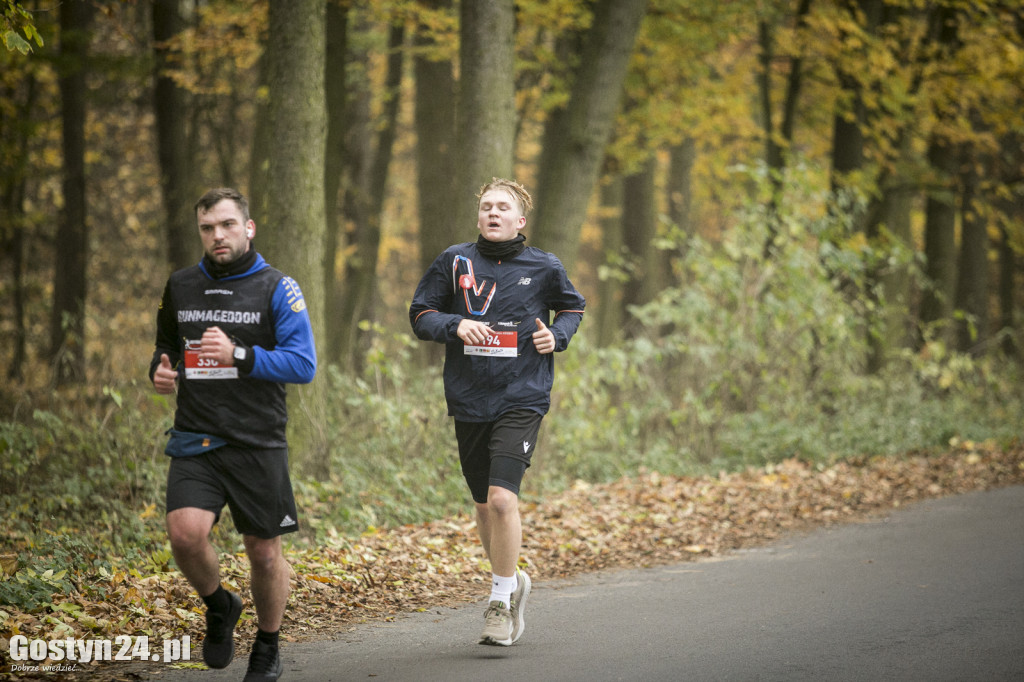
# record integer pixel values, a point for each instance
(508, 296)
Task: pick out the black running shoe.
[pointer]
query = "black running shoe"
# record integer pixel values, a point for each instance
(264, 663)
(219, 644)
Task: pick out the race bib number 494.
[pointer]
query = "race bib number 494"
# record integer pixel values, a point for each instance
(205, 368)
(497, 345)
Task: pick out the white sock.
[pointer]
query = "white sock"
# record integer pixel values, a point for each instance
(502, 588)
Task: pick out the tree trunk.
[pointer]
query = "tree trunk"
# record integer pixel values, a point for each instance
(639, 229)
(940, 240)
(336, 91)
(940, 207)
(67, 321)
(1008, 295)
(575, 140)
(612, 274)
(171, 108)
(486, 111)
(972, 281)
(294, 233)
(260, 188)
(13, 244)
(851, 114)
(893, 283)
(847, 139)
(886, 221)
(775, 146)
(365, 204)
(435, 147)
(772, 150)
(14, 223)
(682, 158)
(1011, 209)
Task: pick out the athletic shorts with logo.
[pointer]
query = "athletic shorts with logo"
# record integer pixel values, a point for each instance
(497, 453)
(253, 483)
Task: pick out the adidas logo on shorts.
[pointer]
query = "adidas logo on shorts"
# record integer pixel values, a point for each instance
(287, 521)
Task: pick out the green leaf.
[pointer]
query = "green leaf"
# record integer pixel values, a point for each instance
(12, 41)
(114, 395)
(32, 34)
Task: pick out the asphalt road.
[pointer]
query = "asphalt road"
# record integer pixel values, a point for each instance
(931, 592)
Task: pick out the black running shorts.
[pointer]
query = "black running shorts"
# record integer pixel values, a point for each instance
(497, 453)
(253, 483)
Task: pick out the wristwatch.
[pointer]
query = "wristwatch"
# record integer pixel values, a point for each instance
(240, 354)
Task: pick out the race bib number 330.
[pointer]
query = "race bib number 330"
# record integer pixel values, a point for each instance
(205, 368)
(497, 345)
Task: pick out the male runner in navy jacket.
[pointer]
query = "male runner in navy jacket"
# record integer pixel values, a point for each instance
(490, 303)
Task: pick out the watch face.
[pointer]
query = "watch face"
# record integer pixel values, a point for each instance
(239, 353)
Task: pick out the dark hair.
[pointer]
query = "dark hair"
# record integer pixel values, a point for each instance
(215, 196)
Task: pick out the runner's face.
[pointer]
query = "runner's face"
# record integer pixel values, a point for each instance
(224, 232)
(499, 218)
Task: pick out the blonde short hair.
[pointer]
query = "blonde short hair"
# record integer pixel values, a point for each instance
(513, 188)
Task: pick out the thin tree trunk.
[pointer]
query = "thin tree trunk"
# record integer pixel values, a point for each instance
(940, 240)
(610, 294)
(67, 321)
(893, 283)
(639, 220)
(262, 147)
(1008, 298)
(171, 109)
(16, 370)
(889, 287)
(435, 146)
(775, 157)
(367, 205)
(772, 150)
(973, 275)
(940, 207)
(336, 91)
(14, 223)
(682, 158)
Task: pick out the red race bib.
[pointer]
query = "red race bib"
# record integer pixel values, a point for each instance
(205, 368)
(497, 345)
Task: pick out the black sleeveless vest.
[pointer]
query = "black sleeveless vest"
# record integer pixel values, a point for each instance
(239, 409)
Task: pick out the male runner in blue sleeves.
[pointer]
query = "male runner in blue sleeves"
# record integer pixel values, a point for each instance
(231, 332)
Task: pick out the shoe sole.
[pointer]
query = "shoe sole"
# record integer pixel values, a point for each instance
(490, 641)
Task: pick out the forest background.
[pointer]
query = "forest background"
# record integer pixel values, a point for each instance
(798, 225)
